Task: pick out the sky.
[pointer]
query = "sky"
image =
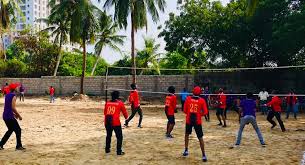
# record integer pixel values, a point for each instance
(111, 56)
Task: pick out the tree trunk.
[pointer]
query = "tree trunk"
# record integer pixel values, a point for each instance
(3, 47)
(58, 58)
(133, 59)
(84, 68)
(94, 67)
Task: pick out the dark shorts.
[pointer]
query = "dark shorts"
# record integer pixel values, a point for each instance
(198, 130)
(171, 119)
(219, 111)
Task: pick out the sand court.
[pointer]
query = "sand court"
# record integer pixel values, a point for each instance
(72, 132)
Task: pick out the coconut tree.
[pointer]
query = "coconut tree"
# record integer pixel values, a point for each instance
(59, 27)
(148, 57)
(107, 37)
(84, 25)
(137, 10)
(8, 16)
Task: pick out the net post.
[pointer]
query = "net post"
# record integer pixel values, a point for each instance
(106, 84)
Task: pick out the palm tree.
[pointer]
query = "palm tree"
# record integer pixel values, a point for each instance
(137, 9)
(149, 55)
(84, 25)
(8, 16)
(59, 27)
(107, 37)
(251, 7)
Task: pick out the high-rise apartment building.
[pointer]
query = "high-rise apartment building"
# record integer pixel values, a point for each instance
(33, 12)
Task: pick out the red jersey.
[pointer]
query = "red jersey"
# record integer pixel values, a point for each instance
(113, 109)
(291, 99)
(134, 99)
(52, 91)
(170, 104)
(195, 106)
(6, 90)
(222, 99)
(275, 104)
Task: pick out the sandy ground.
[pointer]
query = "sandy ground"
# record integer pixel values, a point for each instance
(72, 133)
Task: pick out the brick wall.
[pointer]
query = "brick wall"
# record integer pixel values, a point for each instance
(97, 85)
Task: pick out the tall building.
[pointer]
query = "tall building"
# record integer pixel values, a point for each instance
(33, 12)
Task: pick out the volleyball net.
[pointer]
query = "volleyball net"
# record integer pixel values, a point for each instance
(153, 82)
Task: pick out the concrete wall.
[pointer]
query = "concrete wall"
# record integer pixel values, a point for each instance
(97, 85)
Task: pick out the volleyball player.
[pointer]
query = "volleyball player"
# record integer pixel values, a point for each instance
(112, 111)
(194, 108)
(170, 109)
(134, 101)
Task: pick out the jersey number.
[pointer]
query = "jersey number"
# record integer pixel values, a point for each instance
(110, 110)
(193, 108)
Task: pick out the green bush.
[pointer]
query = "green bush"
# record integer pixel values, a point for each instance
(15, 68)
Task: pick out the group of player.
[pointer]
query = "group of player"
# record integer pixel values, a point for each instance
(195, 107)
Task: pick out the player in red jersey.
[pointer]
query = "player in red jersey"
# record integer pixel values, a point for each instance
(134, 101)
(112, 111)
(222, 105)
(276, 110)
(194, 108)
(170, 109)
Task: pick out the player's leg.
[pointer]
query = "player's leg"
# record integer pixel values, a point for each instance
(140, 112)
(288, 111)
(270, 117)
(171, 122)
(133, 113)
(10, 127)
(243, 122)
(109, 130)
(295, 110)
(218, 113)
(224, 118)
(17, 131)
(199, 133)
(278, 117)
(119, 136)
(188, 131)
(252, 120)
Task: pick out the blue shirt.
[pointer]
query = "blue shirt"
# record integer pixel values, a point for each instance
(184, 95)
(248, 107)
(8, 111)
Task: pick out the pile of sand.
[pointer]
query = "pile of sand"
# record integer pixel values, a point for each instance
(80, 97)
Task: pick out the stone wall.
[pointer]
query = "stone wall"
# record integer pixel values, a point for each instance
(97, 85)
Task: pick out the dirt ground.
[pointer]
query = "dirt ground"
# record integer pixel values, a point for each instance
(71, 132)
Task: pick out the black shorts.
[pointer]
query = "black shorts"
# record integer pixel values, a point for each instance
(198, 130)
(219, 111)
(171, 119)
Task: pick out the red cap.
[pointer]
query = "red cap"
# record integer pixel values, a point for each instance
(197, 91)
(13, 86)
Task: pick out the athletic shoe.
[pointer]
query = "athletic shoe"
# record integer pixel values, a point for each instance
(204, 159)
(224, 126)
(234, 146)
(220, 124)
(169, 136)
(107, 151)
(263, 145)
(20, 149)
(126, 124)
(185, 153)
(139, 126)
(121, 153)
(1, 148)
(284, 130)
(273, 126)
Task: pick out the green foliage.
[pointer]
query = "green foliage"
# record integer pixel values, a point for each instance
(174, 60)
(15, 68)
(274, 34)
(71, 65)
